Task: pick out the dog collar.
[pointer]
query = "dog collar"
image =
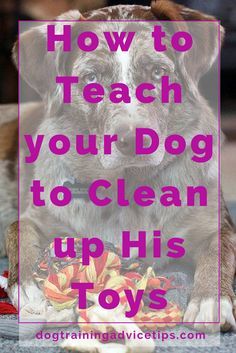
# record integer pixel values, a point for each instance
(78, 190)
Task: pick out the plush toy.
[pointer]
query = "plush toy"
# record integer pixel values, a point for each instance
(5, 306)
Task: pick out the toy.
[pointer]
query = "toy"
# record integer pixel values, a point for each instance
(55, 275)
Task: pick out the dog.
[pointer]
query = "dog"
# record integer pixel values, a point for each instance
(38, 224)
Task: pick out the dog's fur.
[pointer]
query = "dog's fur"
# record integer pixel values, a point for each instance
(198, 226)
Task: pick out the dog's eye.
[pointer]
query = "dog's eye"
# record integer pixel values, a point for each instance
(158, 72)
(91, 78)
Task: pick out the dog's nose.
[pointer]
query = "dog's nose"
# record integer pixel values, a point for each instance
(126, 140)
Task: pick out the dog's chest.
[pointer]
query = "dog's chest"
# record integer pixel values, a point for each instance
(108, 223)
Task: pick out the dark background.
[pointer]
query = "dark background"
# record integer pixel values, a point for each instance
(13, 10)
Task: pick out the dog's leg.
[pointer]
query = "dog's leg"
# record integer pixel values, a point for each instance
(32, 302)
(228, 267)
(203, 306)
(8, 211)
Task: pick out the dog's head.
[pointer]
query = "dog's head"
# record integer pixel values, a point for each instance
(140, 64)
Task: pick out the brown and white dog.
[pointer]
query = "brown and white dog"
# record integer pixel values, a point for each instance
(37, 225)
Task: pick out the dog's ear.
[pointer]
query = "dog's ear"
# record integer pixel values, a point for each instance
(204, 30)
(208, 35)
(30, 56)
(37, 66)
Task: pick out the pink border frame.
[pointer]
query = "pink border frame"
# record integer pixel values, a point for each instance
(219, 171)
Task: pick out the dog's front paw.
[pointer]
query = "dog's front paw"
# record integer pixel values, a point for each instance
(32, 304)
(227, 314)
(94, 346)
(34, 312)
(202, 314)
